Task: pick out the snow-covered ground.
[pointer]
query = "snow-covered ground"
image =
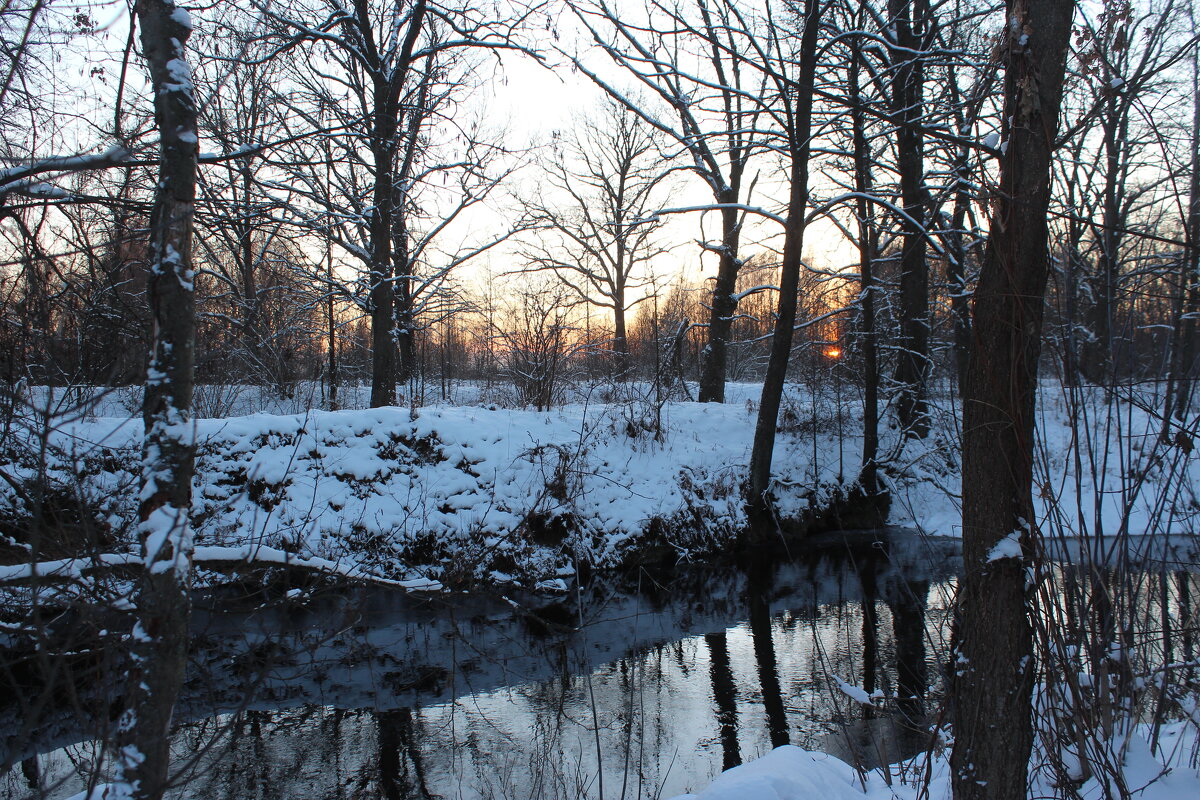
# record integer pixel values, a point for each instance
(790, 773)
(458, 494)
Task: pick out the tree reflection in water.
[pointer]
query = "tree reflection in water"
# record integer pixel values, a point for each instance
(651, 683)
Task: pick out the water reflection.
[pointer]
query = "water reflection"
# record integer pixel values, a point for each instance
(631, 688)
(724, 696)
(764, 654)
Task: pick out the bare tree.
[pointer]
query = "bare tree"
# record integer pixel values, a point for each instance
(377, 85)
(712, 121)
(538, 340)
(1184, 344)
(595, 218)
(1125, 56)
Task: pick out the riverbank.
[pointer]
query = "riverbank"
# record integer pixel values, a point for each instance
(461, 496)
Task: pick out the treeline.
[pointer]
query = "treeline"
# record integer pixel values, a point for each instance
(344, 170)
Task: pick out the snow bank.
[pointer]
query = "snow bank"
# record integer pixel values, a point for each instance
(790, 773)
(786, 773)
(455, 493)
(465, 493)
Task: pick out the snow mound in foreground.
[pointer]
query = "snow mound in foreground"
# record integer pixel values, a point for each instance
(792, 773)
(786, 773)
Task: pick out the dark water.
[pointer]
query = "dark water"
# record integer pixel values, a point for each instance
(641, 687)
(646, 686)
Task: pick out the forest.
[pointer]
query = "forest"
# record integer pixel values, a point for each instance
(556, 399)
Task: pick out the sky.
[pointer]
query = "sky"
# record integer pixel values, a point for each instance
(526, 99)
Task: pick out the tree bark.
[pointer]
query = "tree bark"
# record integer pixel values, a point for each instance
(404, 302)
(912, 364)
(993, 684)
(867, 248)
(620, 336)
(158, 644)
(715, 357)
(382, 295)
(388, 78)
(1183, 361)
(799, 147)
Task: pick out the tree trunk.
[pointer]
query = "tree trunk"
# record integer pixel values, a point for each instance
(331, 321)
(1183, 362)
(405, 315)
(387, 112)
(956, 272)
(250, 320)
(620, 337)
(715, 357)
(158, 644)
(1100, 362)
(867, 247)
(912, 364)
(382, 293)
(957, 239)
(799, 146)
(993, 685)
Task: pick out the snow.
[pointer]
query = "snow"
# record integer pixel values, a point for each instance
(855, 693)
(471, 492)
(790, 773)
(179, 74)
(105, 791)
(182, 18)
(1008, 547)
(167, 526)
(786, 773)
(63, 568)
(262, 555)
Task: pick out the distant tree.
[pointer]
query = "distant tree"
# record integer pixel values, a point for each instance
(241, 232)
(375, 56)
(537, 342)
(1125, 55)
(690, 64)
(372, 100)
(596, 229)
(1187, 321)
